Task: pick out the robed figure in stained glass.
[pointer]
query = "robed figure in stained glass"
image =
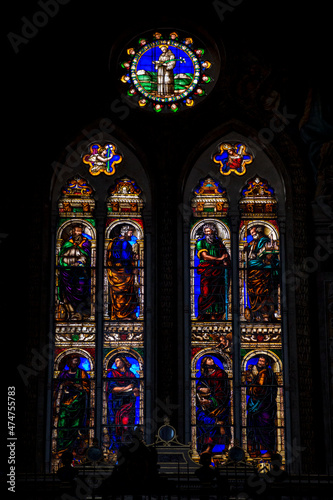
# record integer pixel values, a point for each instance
(262, 276)
(71, 405)
(74, 274)
(122, 391)
(214, 272)
(213, 407)
(121, 261)
(261, 408)
(165, 78)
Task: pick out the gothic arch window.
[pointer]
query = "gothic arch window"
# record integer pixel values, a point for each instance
(165, 71)
(211, 326)
(260, 320)
(100, 294)
(123, 364)
(237, 394)
(75, 321)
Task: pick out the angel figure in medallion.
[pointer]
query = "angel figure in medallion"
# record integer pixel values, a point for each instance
(102, 159)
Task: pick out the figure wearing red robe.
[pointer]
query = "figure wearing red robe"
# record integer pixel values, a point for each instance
(213, 407)
(122, 391)
(214, 271)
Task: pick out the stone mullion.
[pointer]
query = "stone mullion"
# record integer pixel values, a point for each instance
(303, 336)
(166, 292)
(236, 343)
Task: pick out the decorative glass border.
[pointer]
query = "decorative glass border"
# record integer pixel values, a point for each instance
(169, 43)
(170, 102)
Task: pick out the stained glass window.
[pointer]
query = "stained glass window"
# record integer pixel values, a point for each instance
(99, 300)
(211, 326)
(123, 316)
(75, 326)
(166, 71)
(259, 370)
(233, 158)
(102, 159)
(260, 315)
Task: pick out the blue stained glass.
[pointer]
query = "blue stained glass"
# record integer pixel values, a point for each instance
(254, 361)
(212, 405)
(218, 448)
(184, 63)
(123, 406)
(85, 235)
(216, 360)
(84, 365)
(246, 297)
(196, 285)
(214, 185)
(165, 71)
(134, 368)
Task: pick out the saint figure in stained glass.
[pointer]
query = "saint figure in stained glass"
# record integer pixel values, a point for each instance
(74, 277)
(165, 64)
(262, 254)
(122, 392)
(213, 406)
(71, 399)
(233, 158)
(122, 257)
(261, 408)
(166, 72)
(214, 272)
(102, 159)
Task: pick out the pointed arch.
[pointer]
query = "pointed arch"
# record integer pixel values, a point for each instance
(245, 208)
(89, 208)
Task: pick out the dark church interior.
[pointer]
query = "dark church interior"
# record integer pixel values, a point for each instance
(266, 90)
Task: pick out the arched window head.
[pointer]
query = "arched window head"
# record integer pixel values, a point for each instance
(260, 319)
(124, 299)
(237, 391)
(99, 307)
(211, 315)
(73, 391)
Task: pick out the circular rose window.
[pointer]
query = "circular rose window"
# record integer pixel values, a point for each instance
(166, 72)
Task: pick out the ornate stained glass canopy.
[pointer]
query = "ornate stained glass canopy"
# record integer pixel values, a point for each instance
(166, 71)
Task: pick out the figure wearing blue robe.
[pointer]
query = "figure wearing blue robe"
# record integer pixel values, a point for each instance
(213, 407)
(122, 391)
(261, 408)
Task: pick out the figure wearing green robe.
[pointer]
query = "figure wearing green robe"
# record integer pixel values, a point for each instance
(72, 394)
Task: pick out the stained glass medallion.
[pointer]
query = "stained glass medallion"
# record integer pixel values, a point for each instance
(166, 72)
(102, 158)
(233, 158)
